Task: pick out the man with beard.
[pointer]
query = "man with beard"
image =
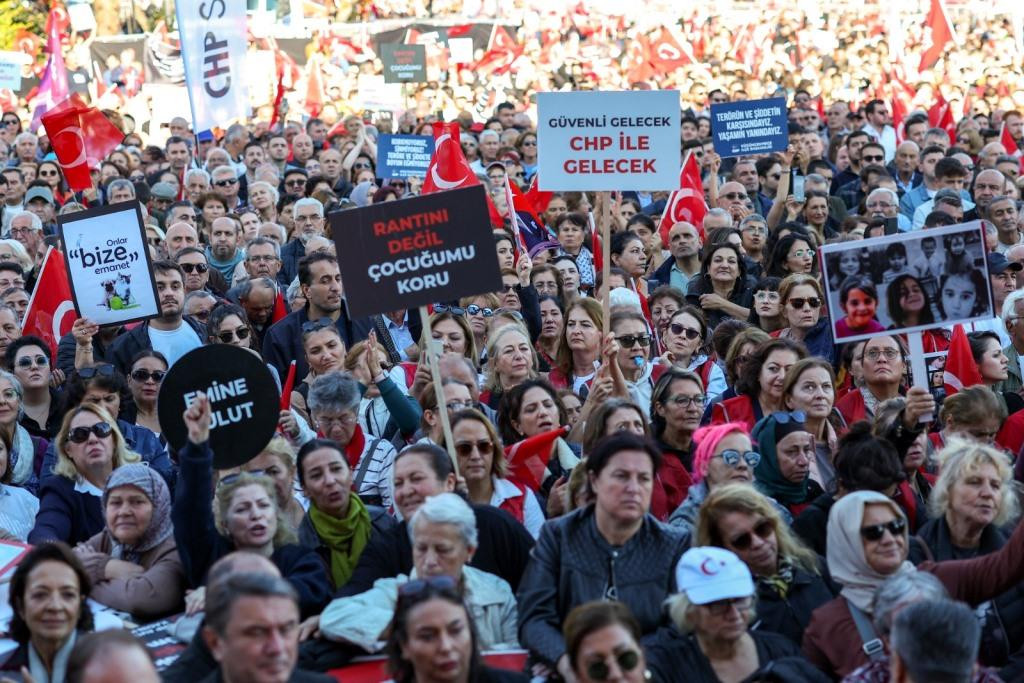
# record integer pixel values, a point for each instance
(684, 244)
(171, 333)
(223, 252)
(309, 222)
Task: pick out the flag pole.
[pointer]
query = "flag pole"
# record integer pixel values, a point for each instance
(432, 349)
(602, 204)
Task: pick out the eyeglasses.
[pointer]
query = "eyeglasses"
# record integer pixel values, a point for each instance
(48, 174)
(627, 660)
(875, 532)
(314, 325)
(456, 406)
(508, 288)
(242, 333)
(875, 354)
(345, 420)
(297, 182)
(445, 308)
(720, 608)
(483, 447)
(799, 302)
(26, 362)
(872, 158)
(755, 230)
(416, 587)
(224, 481)
(397, 183)
(795, 416)
(360, 165)
(81, 434)
(764, 295)
(732, 458)
(104, 370)
(678, 329)
(800, 253)
(201, 314)
(630, 340)
(684, 401)
(762, 530)
(734, 195)
(473, 309)
(155, 376)
(311, 218)
(194, 268)
(226, 183)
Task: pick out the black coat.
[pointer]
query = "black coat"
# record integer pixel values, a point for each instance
(788, 616)
(504, 550)
(1003, 631)
(811, 525)
(283, 341)
(670, 653)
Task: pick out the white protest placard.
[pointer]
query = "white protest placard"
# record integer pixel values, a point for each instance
(108, 264)
(81, 16)
(461, 50)
(608, 140)
(213, 43)
(10, 69)
(373, 93)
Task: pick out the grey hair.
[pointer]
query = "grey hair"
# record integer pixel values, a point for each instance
(447, 508)
(294, 290)
(10, 376)
(246, 287)
(815, 178)
(118, 183)
(26, 136)
(260, 241)
(37, 224)
(488, 133)
(226, 169)
(719, 213)
(334, 392)
(900, 590)
(270, 188)
(281, 232)
(937, 641)
(20, 254)
(198, 294)
(221, 596)
(308, 201)
(199, 172)
(879, 190)
(1009, 307)
(754, 217)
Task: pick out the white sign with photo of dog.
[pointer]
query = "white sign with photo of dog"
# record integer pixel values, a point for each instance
(109, 267)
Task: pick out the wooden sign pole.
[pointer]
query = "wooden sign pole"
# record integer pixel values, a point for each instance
(432, 350)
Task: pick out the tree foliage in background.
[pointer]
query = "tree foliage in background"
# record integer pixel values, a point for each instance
(16, 15)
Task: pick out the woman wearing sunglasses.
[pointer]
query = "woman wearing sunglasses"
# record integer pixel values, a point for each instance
(133, 563)
(802, 299)
(787, 453)
(724, 455)
(482, 464)
(479, 311)
(602, 640)
(712, 640)
(788, 575)
(50, 173)
(89, 447)
(759, 384)
(686, 345)
(612, 549)
(242, 515)
(228, 324)
(30, 360)
(104, 386)
(867, 543)
(148, 369)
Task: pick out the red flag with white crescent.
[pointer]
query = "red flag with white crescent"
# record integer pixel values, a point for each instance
(687, 203)
(449, 169)
(51, 310)
(938, 34)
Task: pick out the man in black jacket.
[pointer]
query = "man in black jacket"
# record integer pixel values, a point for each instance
(172, 333)
(321, 285)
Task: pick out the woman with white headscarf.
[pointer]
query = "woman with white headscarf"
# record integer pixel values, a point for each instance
(868, 543)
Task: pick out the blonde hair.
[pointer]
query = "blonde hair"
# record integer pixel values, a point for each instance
(226, 492)
(961, 457)
(499, 466)
(282, 450)
(493, 383)
(680, 611)
(65, 466)
(745, 499)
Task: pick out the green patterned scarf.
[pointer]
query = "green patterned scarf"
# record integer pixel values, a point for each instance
(345, 537)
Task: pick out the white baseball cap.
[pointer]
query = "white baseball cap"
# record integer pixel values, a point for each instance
(708, 574)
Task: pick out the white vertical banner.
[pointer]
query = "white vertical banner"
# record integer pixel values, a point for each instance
(213, 43)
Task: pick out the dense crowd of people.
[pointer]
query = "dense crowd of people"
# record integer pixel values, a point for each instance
(728, 493)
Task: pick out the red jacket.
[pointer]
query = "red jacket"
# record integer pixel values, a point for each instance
(852, 407)
(671, 485)
(736, 409)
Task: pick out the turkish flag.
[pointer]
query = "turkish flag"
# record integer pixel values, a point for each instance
(81, 137)
(686, 203)
(528, 459)
(899, 112)
(667, 54)
(286, 390)
(940, 115)
(638, 60)
(1009, 144)
(51, 310)
(502, 41)
(528, 222)
(539, 199)
(449, 169)
(280, 307)
(939, 33)
(961, 371)
(314, 86)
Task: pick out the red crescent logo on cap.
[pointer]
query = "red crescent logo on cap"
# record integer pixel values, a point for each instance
(705, 569)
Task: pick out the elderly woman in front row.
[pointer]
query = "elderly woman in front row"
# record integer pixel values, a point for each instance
(444, 538)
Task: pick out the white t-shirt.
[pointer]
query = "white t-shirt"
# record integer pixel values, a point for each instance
(174, 343)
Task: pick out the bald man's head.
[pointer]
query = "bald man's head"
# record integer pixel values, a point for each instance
(179, 236)
(239, 562)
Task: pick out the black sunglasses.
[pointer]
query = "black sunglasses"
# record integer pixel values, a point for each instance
(689, 332)
(314, 325)
(141, 375)
(599, 670)
(466, 447)
(225, 337)
(628, 341)
(445, 308)
(762, 530)
(81, 434)
(194, 268)
(473, 309)
(875, 532)
(417, 587)
(104, 370)
(225, 183)
(800, 302)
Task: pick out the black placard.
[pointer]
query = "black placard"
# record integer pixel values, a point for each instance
(244, 400)
(417, 251)
(404, 63)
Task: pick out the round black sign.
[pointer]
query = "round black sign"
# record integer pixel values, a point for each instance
(244, 401)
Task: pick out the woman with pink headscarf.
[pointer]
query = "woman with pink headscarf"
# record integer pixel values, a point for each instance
(724, 455)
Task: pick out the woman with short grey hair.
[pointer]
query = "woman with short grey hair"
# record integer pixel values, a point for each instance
(333, 401)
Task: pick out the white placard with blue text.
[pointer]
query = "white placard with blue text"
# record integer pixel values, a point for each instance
(108, 264)
(749, 127)
(608, 140)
